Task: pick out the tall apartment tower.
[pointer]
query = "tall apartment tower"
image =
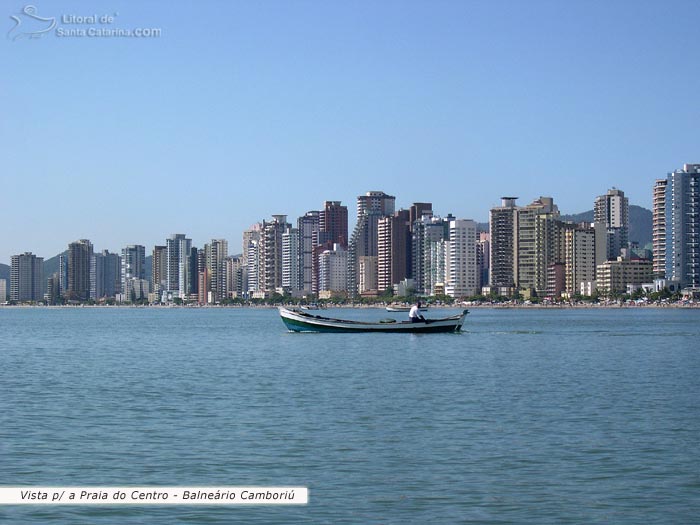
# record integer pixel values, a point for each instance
(79, 257)
(215, 255)
(105, 275)
(429, 235)
(659, 229)
(417, 211)
(178, 248)
(502, 226)
(234, 276)
(290, 260)
(251, 240)
(483, 252)
(461, 279)
(308, 227)
(537, 243)
(333, 224)
(332, 230)
(612, 209)
(393, 249)
(159, 269)
(363, 243)
(26, 277)
(683, 226)
(579, 256)
(133, 264)
(271, 253)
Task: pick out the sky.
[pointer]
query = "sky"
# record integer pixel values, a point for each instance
(242, 110)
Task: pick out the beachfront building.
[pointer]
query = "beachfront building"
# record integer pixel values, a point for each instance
(537, 244)
(579, 256)
(78, 270)
(621, 275)
(333, 266)
(483, 253)
(308, 228)
(26, 278)
(682, 227)
(179, 265)
(460, 261)
(105, 275)
(363, 243)
(270, 253)
(612, 212)
(291, 273)
(214, 262)
(133, 264)
(251, 260)
(659, 228)
(393, 249)
(503, 229)
(159, 268)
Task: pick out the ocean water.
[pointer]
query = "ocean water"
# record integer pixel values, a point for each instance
(528, 416)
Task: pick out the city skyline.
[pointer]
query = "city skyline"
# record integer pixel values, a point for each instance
(237, 243)
(454, 103)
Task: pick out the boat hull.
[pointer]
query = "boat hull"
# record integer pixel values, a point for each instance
(297, 321)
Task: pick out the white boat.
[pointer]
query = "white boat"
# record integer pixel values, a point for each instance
(404, 309)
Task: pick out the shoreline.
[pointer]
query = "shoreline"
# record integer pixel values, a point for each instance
(377, 307)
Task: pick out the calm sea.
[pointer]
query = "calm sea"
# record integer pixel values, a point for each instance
(528, 416)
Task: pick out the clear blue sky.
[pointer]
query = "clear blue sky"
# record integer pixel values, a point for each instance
(241, 110)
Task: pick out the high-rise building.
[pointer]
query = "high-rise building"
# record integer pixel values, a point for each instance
(79, 257)
(417, 211)
(503, 229)
(612, 209)
(196, 264)
(159, 269)
(333, 265)
(393, 249)
(333, 224)
(215, 257)
(367, 281)
(659, 228)
(290, 260)
(63, 274)
(253, 268)
(308, 226)
(133, 264)
(682, 248)
(105, 275)
(579, 256)
(234, 276)
(251, 263)
(271, 253)
(3, 290)
(427, 231)
(178, 248)
(332, 229)
(370, 208)
(537, 244)
(53, 289)
(26, 277)
(483, 252)
(461, 259)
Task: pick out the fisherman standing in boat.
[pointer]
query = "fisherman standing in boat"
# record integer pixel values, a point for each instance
(414, 315)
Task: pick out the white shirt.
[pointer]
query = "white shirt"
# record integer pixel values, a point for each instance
(414, 312)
